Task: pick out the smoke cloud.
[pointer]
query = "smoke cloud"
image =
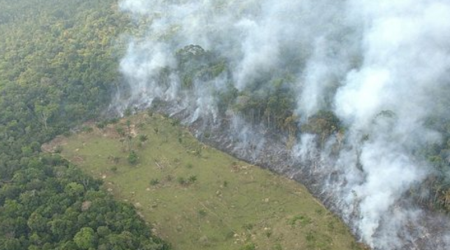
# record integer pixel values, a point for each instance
(382, 67)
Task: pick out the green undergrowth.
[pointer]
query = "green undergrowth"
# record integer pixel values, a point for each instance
(196, 196)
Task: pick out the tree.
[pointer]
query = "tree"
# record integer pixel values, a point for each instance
(12, 244)
(132, 157)
(37, 223)
(74, 189)
(44, 112)
(85, 238)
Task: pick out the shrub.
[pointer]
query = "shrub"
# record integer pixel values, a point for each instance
(143, 138)
(192, 178)
(120, 131)
(101, 124)
(249, 246)
(202, 213)
(87, 129)
(154, 182)
(132, 158)
(58, 149)
(181, 180)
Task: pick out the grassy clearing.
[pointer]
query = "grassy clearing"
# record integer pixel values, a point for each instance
(198, 197)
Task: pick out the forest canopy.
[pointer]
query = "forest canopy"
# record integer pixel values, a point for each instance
(58, 67)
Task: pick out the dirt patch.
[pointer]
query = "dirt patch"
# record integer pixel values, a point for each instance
(77, 159)
(133, 131)
(52, 145)
(86, 205)
(110, 131)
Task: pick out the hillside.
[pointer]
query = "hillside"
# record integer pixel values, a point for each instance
(348, 97)
(58, 68)
(195, 196)
(353, 104)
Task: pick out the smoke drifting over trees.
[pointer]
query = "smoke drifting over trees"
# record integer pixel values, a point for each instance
(361, 87)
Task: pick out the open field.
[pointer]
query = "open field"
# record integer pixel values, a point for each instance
(197, 197)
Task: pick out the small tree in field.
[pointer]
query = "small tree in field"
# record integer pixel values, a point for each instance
(132, 157)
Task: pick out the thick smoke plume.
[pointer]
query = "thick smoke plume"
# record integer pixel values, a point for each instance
(382, 67)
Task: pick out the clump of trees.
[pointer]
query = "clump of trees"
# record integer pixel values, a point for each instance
(272, 105)
(51, 204)
(323, 123)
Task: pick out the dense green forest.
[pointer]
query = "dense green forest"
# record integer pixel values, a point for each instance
(58, 66)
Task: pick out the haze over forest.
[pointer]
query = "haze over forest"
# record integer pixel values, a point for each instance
(347, 97)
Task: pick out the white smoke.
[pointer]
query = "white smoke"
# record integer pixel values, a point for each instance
(401, 65)
(379, 65)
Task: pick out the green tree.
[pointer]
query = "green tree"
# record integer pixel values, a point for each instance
(132, 157)
(85, 238)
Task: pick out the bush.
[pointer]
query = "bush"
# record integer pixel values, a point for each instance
(143, 138)
(154, 182)
(202, 213)
(181, 180)
(120, 131)
(132, 158)
(249, 246)
(87, 129)
(101, 124)
(192, 178)
(58, 149)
